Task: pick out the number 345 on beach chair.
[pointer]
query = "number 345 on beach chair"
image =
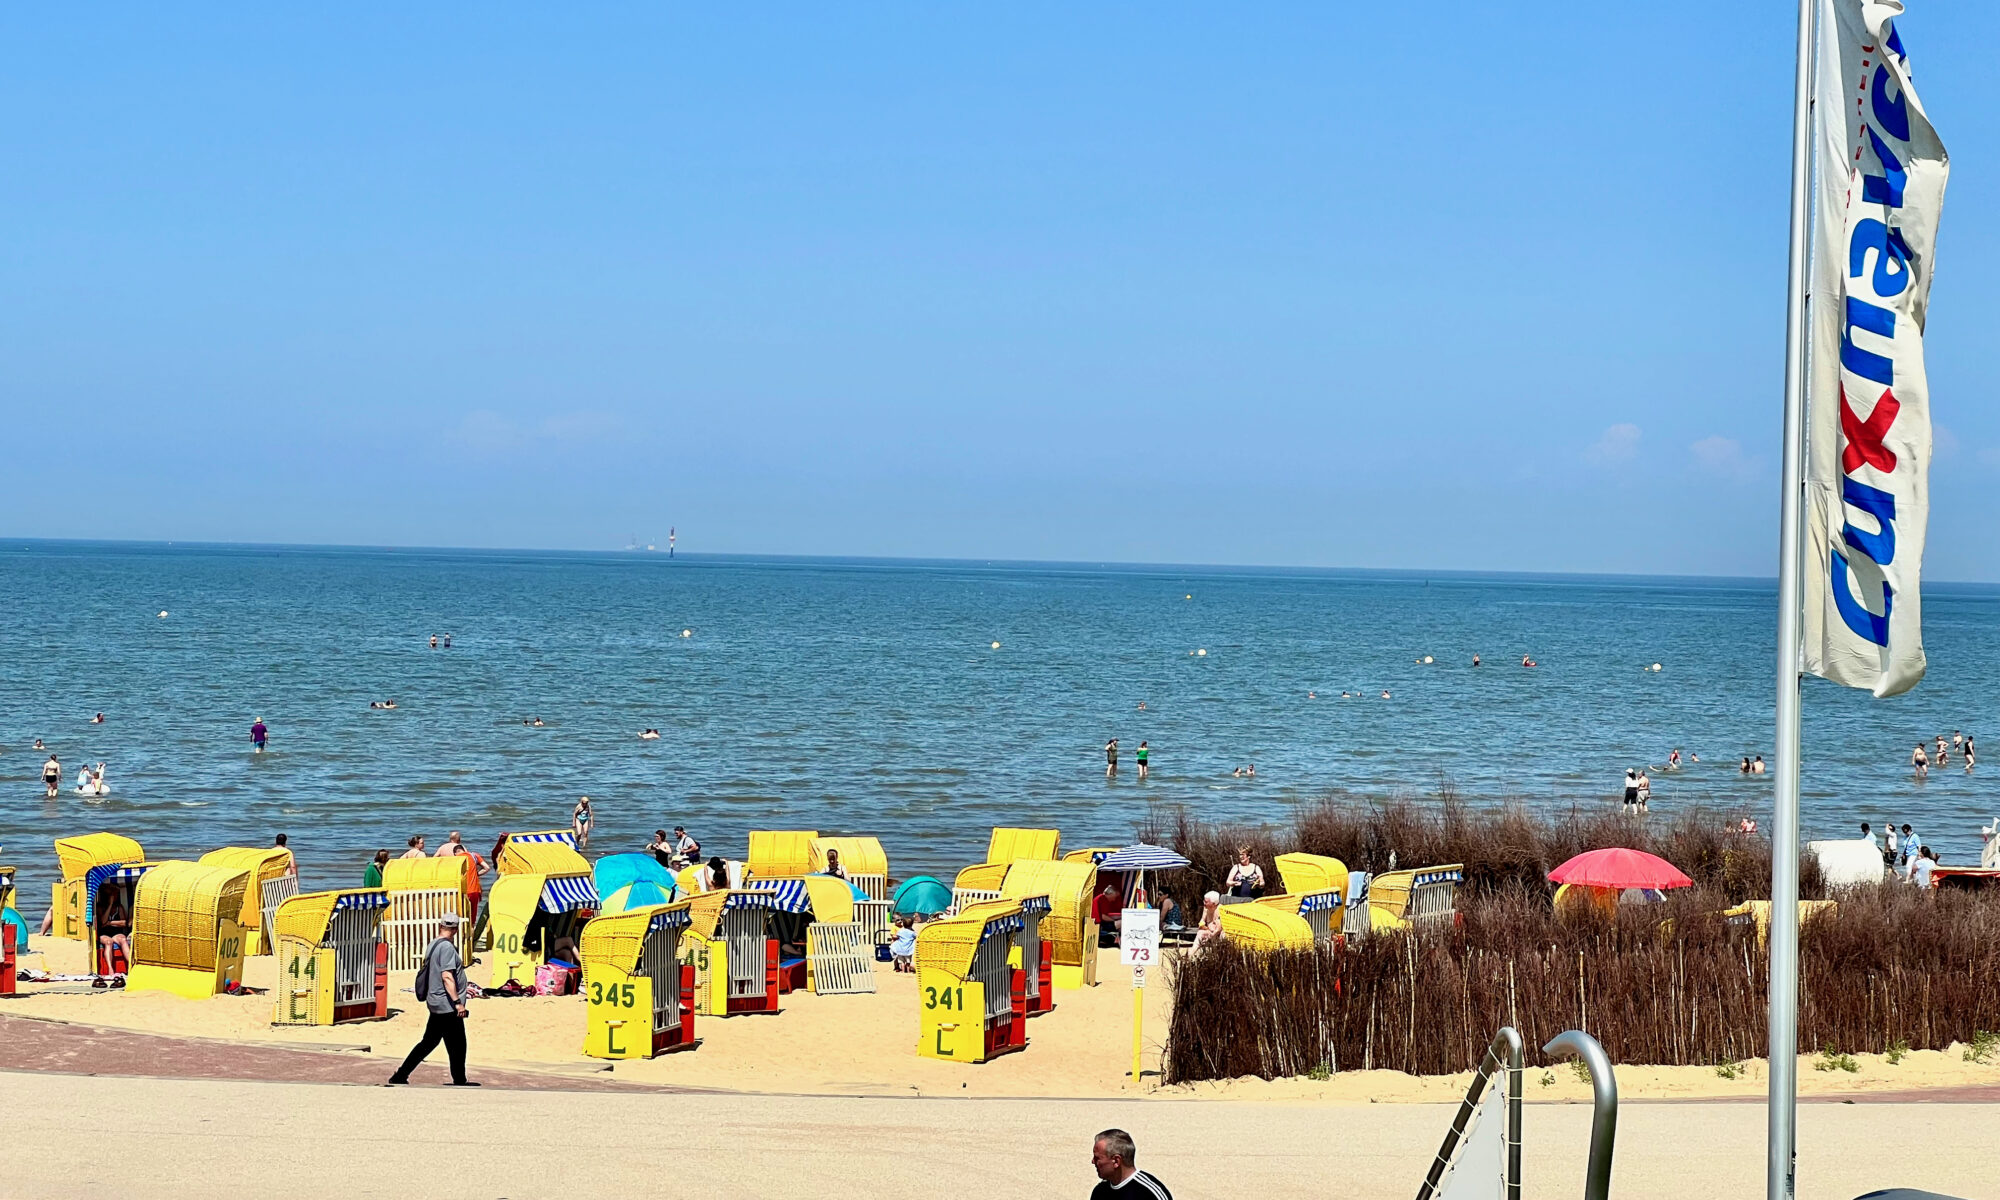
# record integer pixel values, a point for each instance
(641, 996)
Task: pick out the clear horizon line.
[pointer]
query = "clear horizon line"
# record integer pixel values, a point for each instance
(1071, 564)
(1123, 564)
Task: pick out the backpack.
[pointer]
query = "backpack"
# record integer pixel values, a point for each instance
(424, 980)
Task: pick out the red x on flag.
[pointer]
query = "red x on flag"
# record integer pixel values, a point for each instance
(1864, 438)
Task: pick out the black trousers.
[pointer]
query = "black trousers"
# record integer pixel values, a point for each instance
(448, 1028)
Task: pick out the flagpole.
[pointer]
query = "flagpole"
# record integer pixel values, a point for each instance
(1784, 937)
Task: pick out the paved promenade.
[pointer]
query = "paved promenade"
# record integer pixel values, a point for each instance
(204, 1137)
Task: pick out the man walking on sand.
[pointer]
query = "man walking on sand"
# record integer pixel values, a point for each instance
(1113, 1156)
(441, 986)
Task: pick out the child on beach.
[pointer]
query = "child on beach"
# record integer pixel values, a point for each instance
(903, 946)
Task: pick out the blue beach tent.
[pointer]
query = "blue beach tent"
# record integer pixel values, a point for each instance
(923, 895)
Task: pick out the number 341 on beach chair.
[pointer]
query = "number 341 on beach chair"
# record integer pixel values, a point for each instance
(973, 1002)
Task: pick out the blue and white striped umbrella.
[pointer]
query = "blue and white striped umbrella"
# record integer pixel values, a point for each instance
(1142, 857)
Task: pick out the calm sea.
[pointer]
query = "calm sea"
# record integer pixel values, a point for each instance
(868, 697)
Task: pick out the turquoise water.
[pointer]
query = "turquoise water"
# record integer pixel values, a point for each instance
(866, 697)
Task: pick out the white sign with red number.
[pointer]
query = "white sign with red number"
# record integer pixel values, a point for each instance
(1139, 937)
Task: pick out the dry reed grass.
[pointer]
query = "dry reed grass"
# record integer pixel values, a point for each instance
(1499, 846)
(1663, 984)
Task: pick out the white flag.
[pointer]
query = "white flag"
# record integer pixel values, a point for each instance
(1879, 172)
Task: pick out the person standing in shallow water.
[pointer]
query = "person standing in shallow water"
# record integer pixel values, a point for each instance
(1111, 758)
(1143, 754)
(258, 733)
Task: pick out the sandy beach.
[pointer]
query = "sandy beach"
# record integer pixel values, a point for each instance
(865, 1046)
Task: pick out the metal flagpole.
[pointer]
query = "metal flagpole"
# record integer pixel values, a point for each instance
(1784, 943)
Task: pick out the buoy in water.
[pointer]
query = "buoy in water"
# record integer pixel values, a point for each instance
(1202, 653)
(996, 645)
(1427, 660)
(687, 633)
(1656, 666)
(163, 614)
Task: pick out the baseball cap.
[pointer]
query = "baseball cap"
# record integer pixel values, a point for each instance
(450, 918)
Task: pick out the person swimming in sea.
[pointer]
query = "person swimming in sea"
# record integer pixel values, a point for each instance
(649, 735)
(381, 704)
(98, 719)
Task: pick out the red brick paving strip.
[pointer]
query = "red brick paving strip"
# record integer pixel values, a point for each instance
(1974, 1093)
(31, 1044)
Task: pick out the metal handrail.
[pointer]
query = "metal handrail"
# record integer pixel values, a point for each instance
(1604, 1100)
(1508, 1043)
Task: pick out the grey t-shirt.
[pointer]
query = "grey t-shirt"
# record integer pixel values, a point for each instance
(442, 959)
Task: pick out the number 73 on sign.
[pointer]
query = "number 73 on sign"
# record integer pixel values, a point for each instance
(1138, 948)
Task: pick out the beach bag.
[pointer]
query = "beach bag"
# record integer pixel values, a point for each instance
(555, 979)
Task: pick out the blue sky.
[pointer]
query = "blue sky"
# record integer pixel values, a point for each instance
(1330, 285)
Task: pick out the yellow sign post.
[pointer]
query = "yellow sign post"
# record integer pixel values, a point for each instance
(1138, 1017)
(1138, 948)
